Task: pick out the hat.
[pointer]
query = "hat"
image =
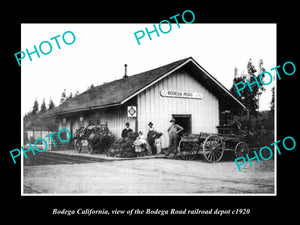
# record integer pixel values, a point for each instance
(172, 120)
(150, 123)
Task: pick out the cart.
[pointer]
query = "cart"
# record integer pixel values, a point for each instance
(98, 137)
(212, 146)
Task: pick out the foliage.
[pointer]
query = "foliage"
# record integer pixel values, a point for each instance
(76, 93)
(259, 124)
(35, 108)
(250, 98)
(63, 97)
(70, 96)
(90, 87)
(43, 106)
(51, 104)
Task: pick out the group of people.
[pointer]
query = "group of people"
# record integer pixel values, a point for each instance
(173, 132)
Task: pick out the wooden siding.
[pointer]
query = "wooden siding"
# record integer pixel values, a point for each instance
(115, 117)
(153, 107)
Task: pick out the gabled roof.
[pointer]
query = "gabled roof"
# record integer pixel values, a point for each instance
(120, 91)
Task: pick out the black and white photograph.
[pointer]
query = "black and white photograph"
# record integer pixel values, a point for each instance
(158, 115)
(135, 112)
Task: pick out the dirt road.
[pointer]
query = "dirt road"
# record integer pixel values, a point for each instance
(148, 176)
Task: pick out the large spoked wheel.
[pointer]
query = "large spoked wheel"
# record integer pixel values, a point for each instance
(213, 148)
(90, 147)
(78, 145)
(241, 149)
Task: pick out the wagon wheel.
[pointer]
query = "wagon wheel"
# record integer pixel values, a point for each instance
(78, 145)
(91, 147)
(213, 148)
(241, 149)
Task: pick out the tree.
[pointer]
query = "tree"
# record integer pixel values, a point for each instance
(90, 87)
(76, 93)
(70, 96)
(43, 106)
(260, 70)
(63, 97)
(35, 108)
(51, 104)
(250, 98)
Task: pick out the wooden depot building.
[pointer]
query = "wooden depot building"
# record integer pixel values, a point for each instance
(182, 90)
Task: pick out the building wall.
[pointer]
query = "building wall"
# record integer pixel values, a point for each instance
(115, 117)
(153, 107)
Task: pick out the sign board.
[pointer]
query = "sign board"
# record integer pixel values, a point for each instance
(180, 94)
(131, 111)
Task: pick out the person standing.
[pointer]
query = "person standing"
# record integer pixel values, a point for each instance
(173, 132)
(151, 138)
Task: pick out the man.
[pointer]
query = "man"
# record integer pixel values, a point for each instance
(126, 131)
(173, 132)
(151, 139)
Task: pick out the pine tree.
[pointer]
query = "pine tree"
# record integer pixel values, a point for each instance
(43, 106)
(76, 93)
(63, 97)
(70, 96)
(35, 108)
(51, 104)
(250, 98)
(260, 70)
(90, 87)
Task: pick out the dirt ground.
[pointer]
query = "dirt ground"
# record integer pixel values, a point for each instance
(147, 176)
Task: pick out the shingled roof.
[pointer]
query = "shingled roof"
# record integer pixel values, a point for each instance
(119, 91)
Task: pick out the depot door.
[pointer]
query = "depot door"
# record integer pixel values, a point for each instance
(184, 120)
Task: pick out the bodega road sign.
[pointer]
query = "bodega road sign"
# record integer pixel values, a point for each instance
(180, 94)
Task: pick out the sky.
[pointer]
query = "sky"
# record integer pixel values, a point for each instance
(100, 51)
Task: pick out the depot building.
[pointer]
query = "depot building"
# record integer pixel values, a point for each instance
(182, 90)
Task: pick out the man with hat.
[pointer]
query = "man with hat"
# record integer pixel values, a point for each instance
(173, 132)
(126, 131)
(150, 138)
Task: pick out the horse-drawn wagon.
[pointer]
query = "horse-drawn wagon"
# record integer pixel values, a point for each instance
(98, 137)
(213, 146)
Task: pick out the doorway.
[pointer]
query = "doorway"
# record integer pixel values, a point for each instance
(184, 120)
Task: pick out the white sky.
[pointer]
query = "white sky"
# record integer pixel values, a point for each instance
(100, 51)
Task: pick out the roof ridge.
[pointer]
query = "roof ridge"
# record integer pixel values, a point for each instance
(110, 82)
(146, 71)
(162, 66)
(114, 92)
